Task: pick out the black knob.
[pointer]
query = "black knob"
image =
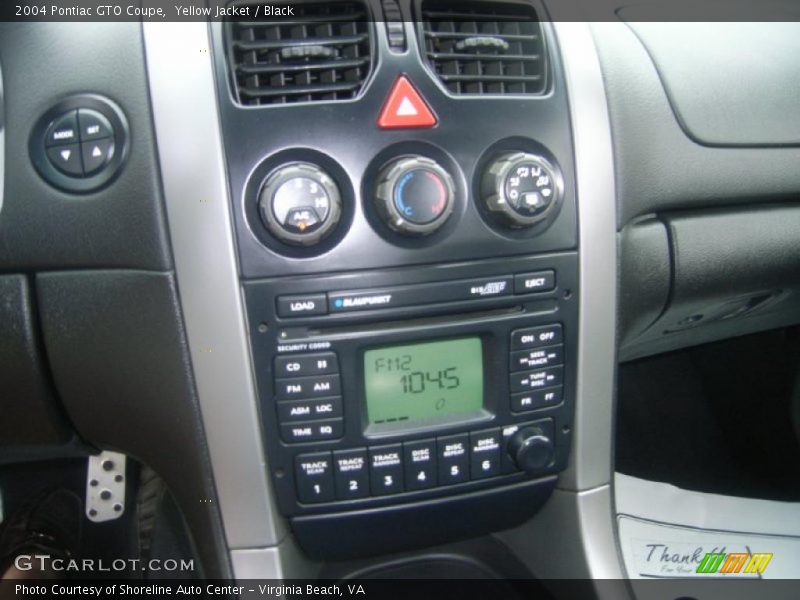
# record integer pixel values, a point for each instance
(414, 195)
(300, 204)
(521, 189)
(531, 450)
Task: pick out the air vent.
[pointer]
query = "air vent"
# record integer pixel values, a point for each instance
(322, 52)
(484, 47)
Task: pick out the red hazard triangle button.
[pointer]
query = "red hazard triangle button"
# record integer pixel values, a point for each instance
(405, 108)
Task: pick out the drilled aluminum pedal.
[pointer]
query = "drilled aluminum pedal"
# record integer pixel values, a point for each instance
(105, 487)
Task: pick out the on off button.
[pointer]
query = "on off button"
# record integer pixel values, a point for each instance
(533, 337)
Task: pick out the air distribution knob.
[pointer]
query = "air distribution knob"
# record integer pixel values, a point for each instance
(521, 189)
(414, 195)
(531, 450)
(300, 204)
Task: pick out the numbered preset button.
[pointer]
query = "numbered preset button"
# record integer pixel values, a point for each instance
(485, 453)
(351, 474)
(420, 464)
(453, 457)
(386, 469)
(313, 475)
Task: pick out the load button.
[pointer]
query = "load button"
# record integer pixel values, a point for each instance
(300, 306)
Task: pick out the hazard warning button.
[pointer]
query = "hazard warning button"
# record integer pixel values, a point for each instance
(404, 108)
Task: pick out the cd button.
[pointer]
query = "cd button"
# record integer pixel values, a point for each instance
(351, 474)
(302, 365)
(307, 387)
(453, 455)
(535, 337)
(312, 431)
(386, 470)
(485, 449)
(420, 462)
(314, 477)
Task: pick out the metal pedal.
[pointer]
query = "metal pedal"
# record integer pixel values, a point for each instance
(105, 487)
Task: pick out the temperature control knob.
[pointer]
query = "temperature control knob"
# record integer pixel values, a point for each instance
(531, 450)
(521, 188)
(300, 204)
(414, 195)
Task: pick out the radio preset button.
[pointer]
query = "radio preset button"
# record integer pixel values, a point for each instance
(525, 360)
(307, 387)
(310, 410)
(543, 398)
(534, 337)
(351, 474)
(300, 306)
(453, 456)
(535, 380)
(533, 283)
(386, 469)
(420, 462)
(312, 431)
(485, 451)
(313, 475)
(303, 365)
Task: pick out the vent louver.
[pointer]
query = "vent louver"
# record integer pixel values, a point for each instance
(322, 52)
(484, 47)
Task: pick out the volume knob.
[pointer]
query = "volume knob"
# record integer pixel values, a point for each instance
(531, 450)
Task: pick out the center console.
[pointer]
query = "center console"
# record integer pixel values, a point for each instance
(406, 224)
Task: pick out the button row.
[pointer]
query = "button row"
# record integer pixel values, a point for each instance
(308, 393)
(536, 367)
(395, 468)
(410, 295)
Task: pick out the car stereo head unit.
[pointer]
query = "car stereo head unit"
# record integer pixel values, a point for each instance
(393, 386)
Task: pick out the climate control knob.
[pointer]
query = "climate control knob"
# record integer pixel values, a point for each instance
(531, 450)
(414, 195)
(521, 189)
(300, 204)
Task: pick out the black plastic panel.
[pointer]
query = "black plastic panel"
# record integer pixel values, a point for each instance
(658, 167)
(121, 225)
(31, 414)
(117, 350)
(420, 524)
(735, 272)
(470, 132)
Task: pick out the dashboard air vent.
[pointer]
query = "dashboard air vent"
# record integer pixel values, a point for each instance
(321, 52)
(484, 47)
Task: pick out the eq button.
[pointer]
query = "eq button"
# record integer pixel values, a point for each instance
(312, 431)
(314, 477)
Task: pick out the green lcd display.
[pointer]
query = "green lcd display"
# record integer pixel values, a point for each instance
(428, 382)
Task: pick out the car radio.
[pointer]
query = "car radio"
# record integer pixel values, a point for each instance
(393, 386)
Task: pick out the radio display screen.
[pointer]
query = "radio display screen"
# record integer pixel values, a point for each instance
(430, 382)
